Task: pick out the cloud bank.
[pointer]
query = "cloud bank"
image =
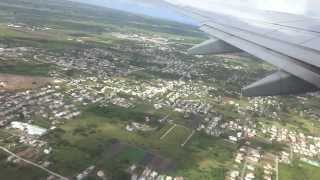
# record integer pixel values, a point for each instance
(159, 8)
(302, 7)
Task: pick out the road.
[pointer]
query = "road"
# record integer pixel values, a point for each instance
(277, 168)
(291, 152)
(188, 138)
(33, 164)
(243, 169)
(129, 72)
(165, 134)
(164, 118)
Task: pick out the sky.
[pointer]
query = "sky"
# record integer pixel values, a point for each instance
(290, 6)
(301, 7)
(157, 8)
(153, 8)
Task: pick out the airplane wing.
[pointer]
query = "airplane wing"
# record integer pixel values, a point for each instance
(289, 42)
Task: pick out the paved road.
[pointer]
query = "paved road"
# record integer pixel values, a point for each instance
(277, 168)
(243, 169)
(188, 138)
(34, 164)
(291, 152)
(165, 134)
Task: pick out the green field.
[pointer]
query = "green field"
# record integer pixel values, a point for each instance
(9, 171)
(26, 69)
(177, 136)
(294, 122)
(92, 137)
(298, 170)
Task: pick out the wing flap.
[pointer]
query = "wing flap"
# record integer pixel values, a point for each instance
(291, 36)
(279, 83)
(314, 43)
(213, 46)
(279, 60)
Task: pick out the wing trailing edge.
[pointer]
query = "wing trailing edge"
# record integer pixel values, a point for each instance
(213, 46)
(278, 83)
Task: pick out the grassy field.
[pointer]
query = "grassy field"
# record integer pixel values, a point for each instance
(306, 125)
(93, 137)
(298, 171)
(26, 69)
(16, 172)
(212, 158)
(294, 122)
(177, 136)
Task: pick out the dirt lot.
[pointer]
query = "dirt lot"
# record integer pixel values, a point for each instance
(15, 82)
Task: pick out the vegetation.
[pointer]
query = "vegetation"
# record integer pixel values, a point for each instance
(26, 69)
(16, 172)
(101, 138)
(298, 170)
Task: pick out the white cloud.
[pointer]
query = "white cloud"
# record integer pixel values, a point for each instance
(306, 7)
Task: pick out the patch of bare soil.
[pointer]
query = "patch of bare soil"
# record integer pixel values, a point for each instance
(9, 82)
(157, 162)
